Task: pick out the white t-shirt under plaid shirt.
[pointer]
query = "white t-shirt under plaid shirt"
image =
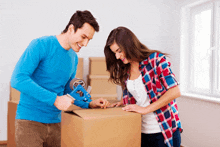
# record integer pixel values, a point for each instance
(149, 123)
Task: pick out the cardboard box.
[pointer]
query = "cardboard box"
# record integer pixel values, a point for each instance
(79, 72)
(12, 108)
(97, 66)
(14, 94)
(104, 96)
(101, 85)
(111, 127)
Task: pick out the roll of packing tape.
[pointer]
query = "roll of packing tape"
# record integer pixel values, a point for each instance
(75, 82)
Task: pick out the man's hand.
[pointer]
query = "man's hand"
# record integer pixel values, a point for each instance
(102, 103)
(63, 102)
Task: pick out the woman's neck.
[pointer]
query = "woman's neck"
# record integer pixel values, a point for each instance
(134, 65)
(134, 70)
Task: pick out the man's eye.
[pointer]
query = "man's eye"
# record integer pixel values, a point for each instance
(83, 37)
(119, 51)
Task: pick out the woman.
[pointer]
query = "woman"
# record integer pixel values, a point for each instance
(149, 87)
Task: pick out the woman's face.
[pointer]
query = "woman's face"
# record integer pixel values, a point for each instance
(119, 54)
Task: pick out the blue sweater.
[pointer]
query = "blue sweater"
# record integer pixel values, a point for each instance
(44, 71)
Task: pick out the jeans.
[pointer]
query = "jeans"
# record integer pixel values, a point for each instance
(36, 134)
(157, 140)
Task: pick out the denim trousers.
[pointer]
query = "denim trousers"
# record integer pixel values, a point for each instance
(157, 140)
(36, 134)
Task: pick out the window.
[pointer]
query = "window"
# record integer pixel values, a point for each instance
(200, 53)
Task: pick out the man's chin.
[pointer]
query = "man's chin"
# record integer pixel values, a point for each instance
(75, 50)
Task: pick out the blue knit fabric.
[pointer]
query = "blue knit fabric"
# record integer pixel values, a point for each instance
(43, 71)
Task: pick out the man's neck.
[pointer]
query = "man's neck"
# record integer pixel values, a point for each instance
(63, 40)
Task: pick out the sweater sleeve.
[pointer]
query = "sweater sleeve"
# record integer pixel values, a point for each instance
(21, 76)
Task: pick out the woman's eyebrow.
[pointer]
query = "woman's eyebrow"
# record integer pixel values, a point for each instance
(117, 49)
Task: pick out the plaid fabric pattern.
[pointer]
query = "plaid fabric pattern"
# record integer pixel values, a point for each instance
(158, 77)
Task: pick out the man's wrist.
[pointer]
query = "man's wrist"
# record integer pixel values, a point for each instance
(90, 105)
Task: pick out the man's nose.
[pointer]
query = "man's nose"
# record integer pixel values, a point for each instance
(85, 42)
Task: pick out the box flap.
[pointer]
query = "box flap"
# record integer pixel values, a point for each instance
(101, 113)
(73, 107)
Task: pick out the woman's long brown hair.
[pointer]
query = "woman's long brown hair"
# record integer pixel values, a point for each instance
(134, 51)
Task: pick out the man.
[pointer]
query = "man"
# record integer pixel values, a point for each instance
(42, 75)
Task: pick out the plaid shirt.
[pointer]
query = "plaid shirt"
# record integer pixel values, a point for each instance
(158, 78)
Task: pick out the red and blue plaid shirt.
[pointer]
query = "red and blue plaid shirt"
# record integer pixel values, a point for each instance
(158, 78)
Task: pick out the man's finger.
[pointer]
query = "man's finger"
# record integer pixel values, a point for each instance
(117, 104)
(101, 104)
(105, 103)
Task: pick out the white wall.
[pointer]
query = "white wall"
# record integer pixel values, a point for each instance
(154, 22)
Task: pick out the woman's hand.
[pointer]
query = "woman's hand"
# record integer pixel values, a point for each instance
(101, 103)
(135, 108)
(116, 104)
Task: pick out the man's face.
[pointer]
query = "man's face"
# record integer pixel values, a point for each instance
(81, 37)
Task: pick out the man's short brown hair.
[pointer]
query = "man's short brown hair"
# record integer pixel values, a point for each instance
(81, 17)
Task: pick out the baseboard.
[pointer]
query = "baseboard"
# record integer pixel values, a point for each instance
(3, 142)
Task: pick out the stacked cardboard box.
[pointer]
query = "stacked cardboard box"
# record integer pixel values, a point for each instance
(98, 80)
(12, 107)
(79, 73)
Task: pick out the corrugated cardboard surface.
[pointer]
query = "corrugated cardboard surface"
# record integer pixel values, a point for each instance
(12, 107)
(111, 127)
(104, 96)
(14, 94)
(101, 85)
(97, 66)
(79, 73)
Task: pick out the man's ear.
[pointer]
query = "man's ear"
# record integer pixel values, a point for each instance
(71, 28)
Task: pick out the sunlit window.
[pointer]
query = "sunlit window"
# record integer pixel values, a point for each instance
(201, 49)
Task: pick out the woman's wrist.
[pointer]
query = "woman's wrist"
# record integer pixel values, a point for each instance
(146, 110)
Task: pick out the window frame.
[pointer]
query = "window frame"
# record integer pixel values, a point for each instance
(185, 46)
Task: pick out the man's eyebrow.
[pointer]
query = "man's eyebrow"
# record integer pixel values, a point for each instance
(87, 37)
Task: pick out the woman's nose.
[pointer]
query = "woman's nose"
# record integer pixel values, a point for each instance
(117, 55)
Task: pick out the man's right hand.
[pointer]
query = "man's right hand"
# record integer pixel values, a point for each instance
(63, 102)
